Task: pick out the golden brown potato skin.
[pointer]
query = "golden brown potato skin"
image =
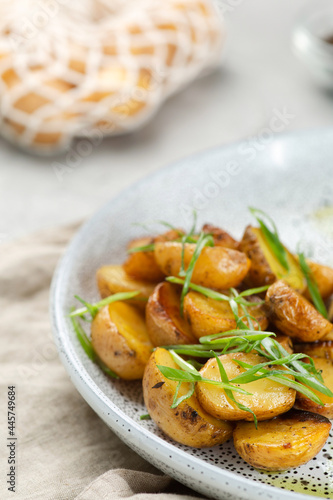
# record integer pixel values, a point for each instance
(265, 268)
(285, 341)
(260, 273)
(216, 267)
(304, 403)
(164, 323)
(293, 315)
(268, 398)
(323, 275)
(142, 265)
(208, 316)
(119, 338)
(113, 279)
(187, 424)
(287, 441)
(320, 349)
(221, 237)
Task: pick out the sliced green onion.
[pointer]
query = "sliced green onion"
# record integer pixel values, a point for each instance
(312, 286)
(271, 237)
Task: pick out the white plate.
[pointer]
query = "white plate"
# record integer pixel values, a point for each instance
(291, 178)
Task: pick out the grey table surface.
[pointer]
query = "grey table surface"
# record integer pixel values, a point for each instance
(259, 78)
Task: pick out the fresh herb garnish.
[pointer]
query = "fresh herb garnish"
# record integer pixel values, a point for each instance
(88, 348)
(146, 416)
(203, 241)
(291, 371)
(235, 298)
(93, 309)
(312, 286)
(143, 248)
(271, 236)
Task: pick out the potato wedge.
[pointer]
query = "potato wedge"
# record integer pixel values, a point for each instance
(216, 267)
(120, 339)
(187, 424)
(164, 323)
(142, 265)
(265, 268)
(208, 316)
(304, 403)
(221, 237)
(323, 276)
(320, 349)
(113, 279)
(268, 398)
(287, 441)
(293, 315)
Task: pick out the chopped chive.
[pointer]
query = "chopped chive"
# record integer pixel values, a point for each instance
(271, 236)
(312, 286)
(143, 248)
(146, 416)
(88, 348)
(94, 308)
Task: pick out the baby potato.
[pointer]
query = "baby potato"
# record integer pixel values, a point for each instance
(216, 267)
(187, 424)
(287, 441)
(120, 339)
(208, 316)
(285, 341)
(114, 279)
(304, 403)
(221, 237)
(323, 276)
(320, 349)
(142, 265)
(293, 315)
(267, 399)
(164, 323)
(265, 267)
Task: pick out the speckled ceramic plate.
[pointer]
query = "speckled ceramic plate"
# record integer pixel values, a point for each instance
(291, 177)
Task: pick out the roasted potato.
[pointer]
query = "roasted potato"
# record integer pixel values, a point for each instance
(323, 276)
(120, 339)
(293, 315)
(208, 316)
(187, 424)
(113, 279)
(267, 399)
(216, 267)
(164, 323)
(320, 349)
(142, 265)
(265, 268)
(287, 441)
(221, 237)
(285, 341)
(304, 403)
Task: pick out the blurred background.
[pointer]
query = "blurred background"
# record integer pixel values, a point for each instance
(258, 78)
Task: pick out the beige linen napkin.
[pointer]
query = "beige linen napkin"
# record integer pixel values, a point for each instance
(64, 451)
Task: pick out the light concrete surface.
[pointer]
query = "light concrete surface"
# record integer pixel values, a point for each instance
(259, 77)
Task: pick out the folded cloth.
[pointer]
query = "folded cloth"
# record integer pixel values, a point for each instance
(64, 451)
